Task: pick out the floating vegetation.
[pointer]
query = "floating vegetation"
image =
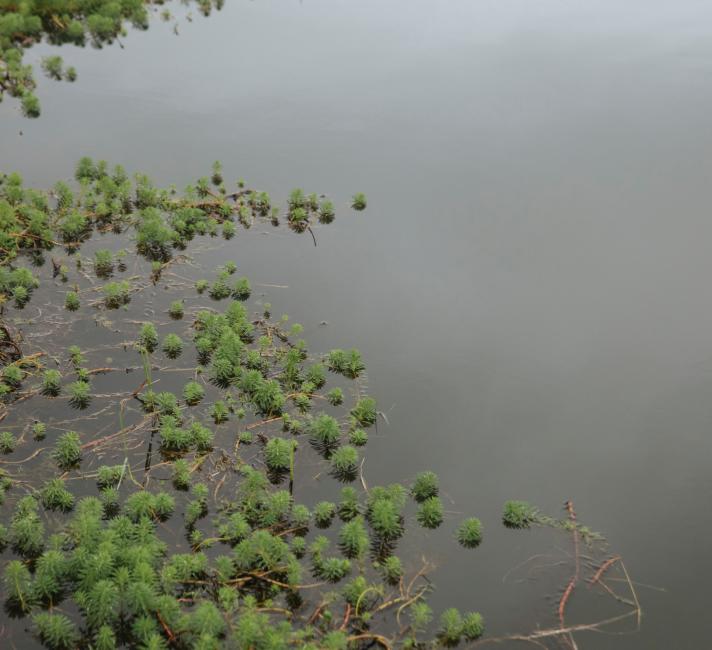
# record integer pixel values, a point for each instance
(169, 509)
(96, 23)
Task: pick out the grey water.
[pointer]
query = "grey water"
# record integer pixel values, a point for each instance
(530, 285)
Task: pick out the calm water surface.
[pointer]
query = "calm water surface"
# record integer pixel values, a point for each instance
(530, 285)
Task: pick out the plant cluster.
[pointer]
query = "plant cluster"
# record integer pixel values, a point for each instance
(80, 23)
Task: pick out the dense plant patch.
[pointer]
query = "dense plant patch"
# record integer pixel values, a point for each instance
(193, 477)
(79, 22)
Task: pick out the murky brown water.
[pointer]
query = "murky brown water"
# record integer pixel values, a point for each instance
(530, 284)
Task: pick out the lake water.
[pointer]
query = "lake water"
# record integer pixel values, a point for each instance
(530, 286)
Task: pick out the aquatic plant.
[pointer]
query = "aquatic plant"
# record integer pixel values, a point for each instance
(519, 514)
(98, 23)
(71, 301)
(148, 337)
(344, 463)
(55, 496)
(117, 294)
(103, 262)
(67, 450)
(450, 630)
(430, 513)
(364, 412)
(233, 568)
(193, 393)
(346, 362)
(278, 454)
(51, 383)
(79, 396)
(7, 442)
(358, 202)
(335, 396)
(172, 346)
(425, 486)
(469, 533)
(176, 309)
(358, 437)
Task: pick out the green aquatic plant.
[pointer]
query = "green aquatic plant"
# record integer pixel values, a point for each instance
(51, 383)
(358, 437)
(241, 290)
(519, 514)
(344, 463)
(39, 430)
(24, 25)
(364, 412)
(193, 393)
(7, 442)
(117, 294)
(346, 362)
(278, 454)
(430, 513)
(79, 395)
(358, 202)
(172, 346)
(473, 626)
(425, 486)
(71, 301)
(148, 337)
(324, 513)
(103, 262)
(451, 627)
(469, 533)
(55, 496)
(176, 309)
(56, 631)
(335, 396)
(67, 450)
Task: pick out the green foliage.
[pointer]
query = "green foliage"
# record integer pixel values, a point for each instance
(55, 631)
(278, 454)
(79, 395)
(430, 513)
(240, 554)
(55, 496)
(324, 513)
(324, 432)
(364, 413)
(346, 362)
(7, 442)
(425, 486)
(353, 538)
(103, 262)
(335, 396)
(68, 451)
(176, 309)
(473, 626)
(344, 463)
(358, 202)
(71, 301)
(391, 569)
(117, 294)
(469, 533)
(450, 630)
(148, 337)
(193, 393)
(519, 514)
(172, 346)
